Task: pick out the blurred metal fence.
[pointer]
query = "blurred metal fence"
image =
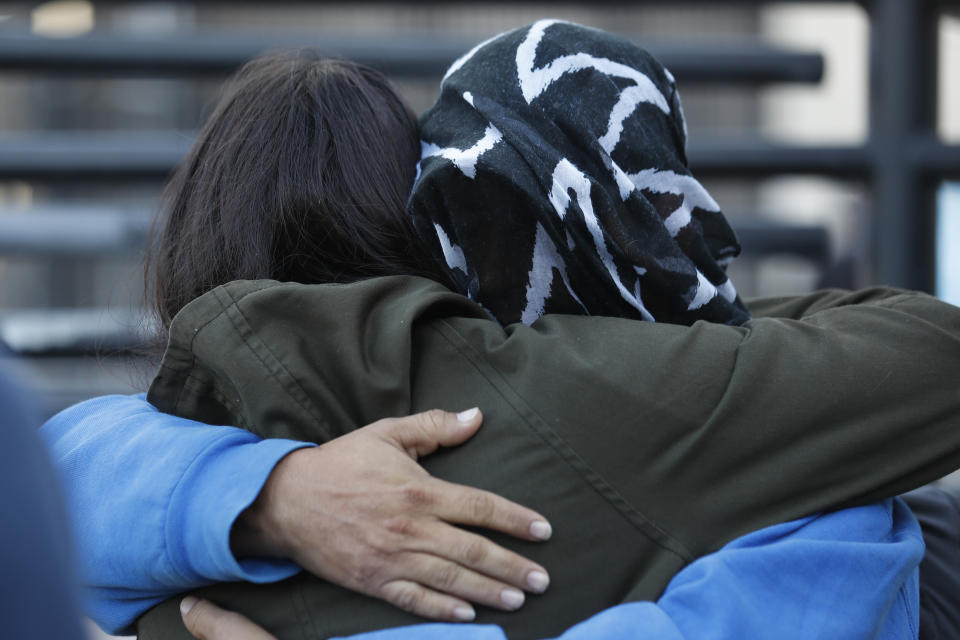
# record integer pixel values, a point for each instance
(902, 160)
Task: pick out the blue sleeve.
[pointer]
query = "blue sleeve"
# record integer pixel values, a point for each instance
(851, 574)
(848, 574)
(152, 499)
(175, 487)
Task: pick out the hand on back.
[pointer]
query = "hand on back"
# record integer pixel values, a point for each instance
(360, 512)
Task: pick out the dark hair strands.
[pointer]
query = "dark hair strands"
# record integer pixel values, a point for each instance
(300, 174)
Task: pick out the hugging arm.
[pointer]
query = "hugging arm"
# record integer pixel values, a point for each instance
(155, 499)
(122, 449)
(152, 499)
(842, 399)
(868, 554)
(848, 399)
(359, 512)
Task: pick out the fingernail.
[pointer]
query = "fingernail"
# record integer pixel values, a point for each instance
(187, 603)
(541, 530)
(538, 581)
(512, 598)
(468, 415)
(464, 614)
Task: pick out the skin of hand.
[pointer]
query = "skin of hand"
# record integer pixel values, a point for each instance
(360, 512)
(207, 621)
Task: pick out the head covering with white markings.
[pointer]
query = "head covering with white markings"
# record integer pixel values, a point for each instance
(554, 180)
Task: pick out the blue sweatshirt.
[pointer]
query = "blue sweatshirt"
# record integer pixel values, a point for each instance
(153, 498)
(850, 574)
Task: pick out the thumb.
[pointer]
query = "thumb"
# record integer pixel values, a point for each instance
(206, 621)
(422, 433)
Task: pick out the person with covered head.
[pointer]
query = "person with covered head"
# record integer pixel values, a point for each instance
(554, 195)
(555, 160)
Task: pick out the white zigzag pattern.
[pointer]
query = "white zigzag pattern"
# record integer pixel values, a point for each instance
(464, 159)
(539, 280)
(462, 60)
(535, 80)
(693, 194)
(452, 253)
(707, 291)
(566, 177)
(630, 98)
(727, 291)
(683, 118)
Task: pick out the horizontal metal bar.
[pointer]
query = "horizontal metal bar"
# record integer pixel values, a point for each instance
(933, 158)
(70, 331)
(80, 231)
(214, 53)
(732, 157)
(730, 63)
(118, 156)
(54, 383)
(109, 156)
(73, 231)
(429, 3)
(412, 55)
(760, 239)
(58, 332)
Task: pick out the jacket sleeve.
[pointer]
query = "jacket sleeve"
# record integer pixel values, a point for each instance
(711, 431)
(796, 307)
(152, 499)
(717, 430)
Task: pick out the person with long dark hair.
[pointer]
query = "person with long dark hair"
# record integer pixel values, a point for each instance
(651, 443)
(263, 202)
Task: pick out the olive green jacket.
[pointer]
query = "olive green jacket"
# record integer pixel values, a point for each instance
(646, 445)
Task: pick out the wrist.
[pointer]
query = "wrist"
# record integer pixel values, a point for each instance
(258, 531)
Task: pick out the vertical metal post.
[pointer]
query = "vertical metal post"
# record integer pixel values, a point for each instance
(903, 106)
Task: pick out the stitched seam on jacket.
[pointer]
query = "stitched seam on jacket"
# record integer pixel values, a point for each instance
(532, 419)
(271, 363)
(187, 366)
(197, 384)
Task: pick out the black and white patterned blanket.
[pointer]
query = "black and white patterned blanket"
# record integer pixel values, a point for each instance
(554, 180)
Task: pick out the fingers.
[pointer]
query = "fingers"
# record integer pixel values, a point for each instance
(479, 571)
(436, 588)
(415, 598)
(477, 508)
(447, 572)
(421, 433)
(462, 565)
(398, 523)
(206, 621)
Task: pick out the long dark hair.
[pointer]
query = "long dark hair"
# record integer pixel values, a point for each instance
(300, 174)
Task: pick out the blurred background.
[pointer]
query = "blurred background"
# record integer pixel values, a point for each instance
(824, 129)
(828, 132)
